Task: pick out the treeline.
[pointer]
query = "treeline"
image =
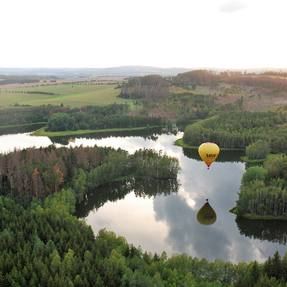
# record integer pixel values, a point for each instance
(156, 99)
(154, 86)
(42, 244)
(197, 77)
(40, 172)
(189, 107)
(260, 81)
(268, 80)
(240, 129)
(40, 93)
(145, 88)
(62, 118)
(27, 115)
(263, 191)
(111, 116)
(22, 79)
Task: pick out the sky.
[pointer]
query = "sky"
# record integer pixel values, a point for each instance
(225, 34)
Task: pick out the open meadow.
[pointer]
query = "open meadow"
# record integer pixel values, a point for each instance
(70, 94)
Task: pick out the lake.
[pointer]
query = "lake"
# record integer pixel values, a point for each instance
(167, 221)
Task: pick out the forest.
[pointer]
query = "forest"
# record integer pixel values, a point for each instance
(44, 244)
(147, 87)
(26, 115)
(263, 192)
(237, 130)
(40, 172)
(269, 80)
(159, 97)
(64, 118)
(111, 116)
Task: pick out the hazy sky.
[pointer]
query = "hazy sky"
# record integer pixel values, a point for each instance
(166, 33)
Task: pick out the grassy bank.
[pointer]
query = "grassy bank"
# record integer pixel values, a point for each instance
(180, 142)
(22, 125)
(44, 132)
(21, 128)
(252, 161)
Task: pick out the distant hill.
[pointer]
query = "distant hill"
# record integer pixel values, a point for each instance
(84, 72)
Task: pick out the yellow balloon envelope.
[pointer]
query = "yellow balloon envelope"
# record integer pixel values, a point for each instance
(208, 152)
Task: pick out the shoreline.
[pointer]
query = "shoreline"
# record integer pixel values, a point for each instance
(255, 217)
(42, 131)
(181, 143)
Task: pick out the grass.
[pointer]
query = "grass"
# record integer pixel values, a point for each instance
(71, 94)
(20, 128)
(22, 125)
(43, 132)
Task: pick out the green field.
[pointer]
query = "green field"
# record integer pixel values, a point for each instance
(71, 94)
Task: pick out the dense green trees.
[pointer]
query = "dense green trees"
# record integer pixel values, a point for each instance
(276, 166)
(254, 173)
(158, 98)
(112, 116)
(61, 122)
(237, 129)
(27, 115)
(197, 77)
(258, 150)
(271, 81)
(43, 244)
(278, 142)
(263, 190)
(40, 172)
(145, 88)
(60, 118)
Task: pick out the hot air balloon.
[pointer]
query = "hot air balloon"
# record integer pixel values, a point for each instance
(206, 215)
(208, 152)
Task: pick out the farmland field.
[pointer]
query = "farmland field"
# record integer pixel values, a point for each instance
(72, 94)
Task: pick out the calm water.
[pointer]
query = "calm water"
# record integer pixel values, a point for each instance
(167, 221)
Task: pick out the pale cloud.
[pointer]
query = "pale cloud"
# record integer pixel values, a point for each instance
(231, 6)
(165, 33)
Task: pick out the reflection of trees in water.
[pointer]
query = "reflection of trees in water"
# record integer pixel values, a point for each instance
(151, 134)
(142, 187)
(224, 156)
(152, 187)
(274, 231)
